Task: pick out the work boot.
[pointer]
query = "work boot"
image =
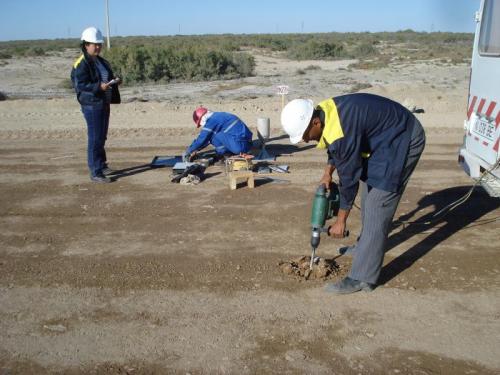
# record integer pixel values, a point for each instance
(347, 250)
(100, 179)
(348, 285)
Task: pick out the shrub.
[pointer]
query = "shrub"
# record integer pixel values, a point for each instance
(165, 58)
(360, 86)
(36, 51)
(5, 55)
(314, 50)
(364, 50)
(245, 64)
(154, 64)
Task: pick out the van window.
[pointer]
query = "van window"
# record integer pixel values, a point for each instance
(489, 36)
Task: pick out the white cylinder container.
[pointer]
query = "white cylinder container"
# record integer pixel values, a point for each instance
(264, 127)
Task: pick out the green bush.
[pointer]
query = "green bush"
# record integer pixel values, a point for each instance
(314, 50)
(163, 64)
(364, 50)
(35, 51)
(358, 86)
(245, 64)
(312, 67)
(202, 57)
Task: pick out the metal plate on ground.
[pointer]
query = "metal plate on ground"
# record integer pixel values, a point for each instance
(165, 161)
(181, 166)
(279, 168)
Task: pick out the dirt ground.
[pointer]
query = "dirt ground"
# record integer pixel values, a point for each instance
(143, 276)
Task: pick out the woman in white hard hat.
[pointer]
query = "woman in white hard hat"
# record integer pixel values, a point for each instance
(96, 88)
(370, 139)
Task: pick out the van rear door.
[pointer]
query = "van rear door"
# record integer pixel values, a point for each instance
(482, 137)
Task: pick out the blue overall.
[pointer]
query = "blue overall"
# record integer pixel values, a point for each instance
(226, 132)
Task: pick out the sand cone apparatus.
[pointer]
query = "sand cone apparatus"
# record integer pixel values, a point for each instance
(263, 130)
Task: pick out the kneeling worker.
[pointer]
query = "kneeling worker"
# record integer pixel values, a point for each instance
(371, 139)
(225, 131)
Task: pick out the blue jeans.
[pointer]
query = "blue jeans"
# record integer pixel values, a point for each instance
(97, 117)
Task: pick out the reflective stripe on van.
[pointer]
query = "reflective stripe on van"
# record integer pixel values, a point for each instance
(488, 114)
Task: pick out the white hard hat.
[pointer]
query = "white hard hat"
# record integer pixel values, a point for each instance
(92, 35)
(295, 118)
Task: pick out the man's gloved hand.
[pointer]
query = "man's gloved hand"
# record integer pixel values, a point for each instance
(186, 156)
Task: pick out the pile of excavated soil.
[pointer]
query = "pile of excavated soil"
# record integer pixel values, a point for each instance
(323, 269)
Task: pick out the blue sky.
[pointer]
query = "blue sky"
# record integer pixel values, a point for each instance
(49, 19)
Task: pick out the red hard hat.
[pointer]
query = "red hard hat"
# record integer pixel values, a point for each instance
(198, 114)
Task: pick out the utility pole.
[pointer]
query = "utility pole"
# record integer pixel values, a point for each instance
(107, 25)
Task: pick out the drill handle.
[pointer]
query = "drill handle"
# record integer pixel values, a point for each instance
(333, 200)
(327, 230)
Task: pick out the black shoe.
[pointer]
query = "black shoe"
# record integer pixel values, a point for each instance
(347, 250)
(100, 179)
(107, 171)
(348, 285)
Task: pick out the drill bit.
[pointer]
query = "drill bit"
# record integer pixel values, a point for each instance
(309, 271)
(313, 255)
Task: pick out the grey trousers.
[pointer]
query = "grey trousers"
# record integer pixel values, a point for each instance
(377, 211)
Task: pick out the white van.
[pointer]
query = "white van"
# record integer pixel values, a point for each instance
(479, 154)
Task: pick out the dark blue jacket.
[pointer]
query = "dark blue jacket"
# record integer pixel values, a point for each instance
(86, 81)
(375, 126)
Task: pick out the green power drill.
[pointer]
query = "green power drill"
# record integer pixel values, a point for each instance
(325, 206)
